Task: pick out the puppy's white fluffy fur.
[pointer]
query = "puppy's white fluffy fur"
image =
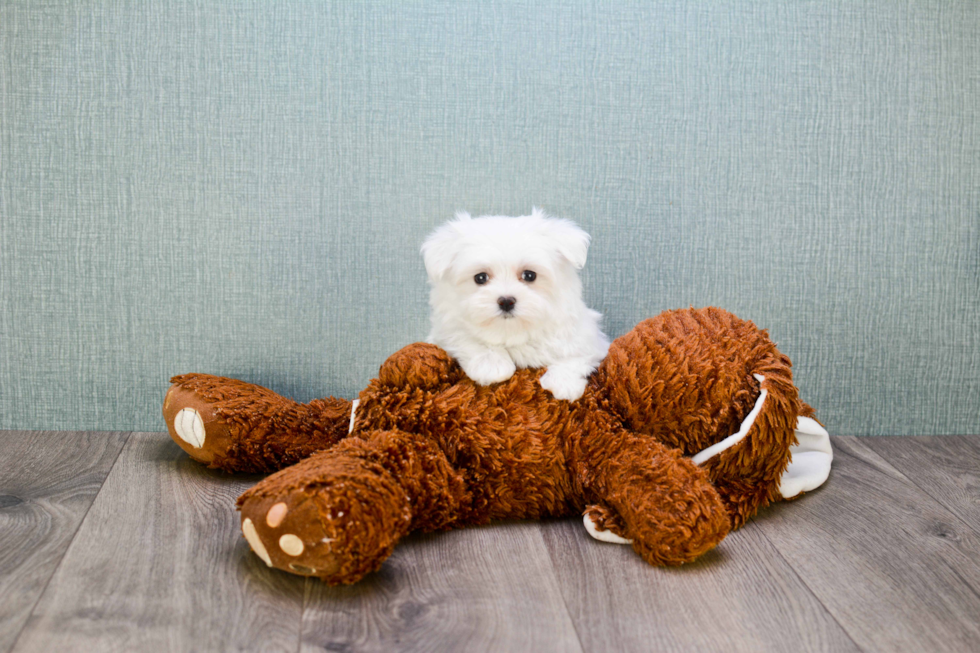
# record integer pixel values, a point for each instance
(475, 265)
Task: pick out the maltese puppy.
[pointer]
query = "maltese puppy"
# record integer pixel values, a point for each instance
(506, 294)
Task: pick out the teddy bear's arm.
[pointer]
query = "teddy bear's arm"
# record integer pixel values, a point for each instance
(241, 427)
(665, 504)
(420, 365)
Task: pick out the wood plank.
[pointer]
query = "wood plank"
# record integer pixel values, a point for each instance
(159, 563)
(478, 589)
(48, 481)
(890, 546)
(947, 468)
(895, 568)
(739, 597)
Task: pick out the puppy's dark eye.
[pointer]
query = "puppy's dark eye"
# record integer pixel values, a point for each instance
(481, 278)
(529, 275)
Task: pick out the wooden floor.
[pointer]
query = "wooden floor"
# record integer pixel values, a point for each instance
(117, 541)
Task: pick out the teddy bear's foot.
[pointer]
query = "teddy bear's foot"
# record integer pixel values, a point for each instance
(241, 427)
(193, 424)
(306, 552)
(338, 514)
(811, 458)
(328, 516)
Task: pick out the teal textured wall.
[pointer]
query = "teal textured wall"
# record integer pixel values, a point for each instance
(241, 188)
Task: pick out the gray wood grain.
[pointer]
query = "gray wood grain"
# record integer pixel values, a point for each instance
(947, 468)
(896, 569)
(48, 481)
(883, 557)
(740, 597)
(480, 589)
(159, 564)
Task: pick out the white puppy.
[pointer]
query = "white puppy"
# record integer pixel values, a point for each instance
(506, 294)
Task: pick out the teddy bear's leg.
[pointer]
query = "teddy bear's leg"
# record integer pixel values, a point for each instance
(749, 467)
(652, 496)
(808, 469)
(338, 514)
(241, 427)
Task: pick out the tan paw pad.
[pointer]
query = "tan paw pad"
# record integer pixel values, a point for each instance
(190, 427)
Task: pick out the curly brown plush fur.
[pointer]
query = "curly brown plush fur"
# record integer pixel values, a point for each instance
(432, 450)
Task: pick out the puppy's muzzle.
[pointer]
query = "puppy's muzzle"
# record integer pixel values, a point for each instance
(506, 304)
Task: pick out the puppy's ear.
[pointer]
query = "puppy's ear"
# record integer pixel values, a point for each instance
(569, 239)
(439, 249)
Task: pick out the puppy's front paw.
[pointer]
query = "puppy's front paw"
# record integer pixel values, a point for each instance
(563, 383)
(489, 367)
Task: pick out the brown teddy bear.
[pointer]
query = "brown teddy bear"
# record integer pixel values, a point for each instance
(687, 428)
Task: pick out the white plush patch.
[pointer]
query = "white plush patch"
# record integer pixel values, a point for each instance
(190, 427)
(248, 529)
(809, 466)
(706, 454)
(353, 413)
(603, 536)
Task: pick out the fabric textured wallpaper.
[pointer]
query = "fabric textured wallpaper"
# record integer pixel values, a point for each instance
(242, 188)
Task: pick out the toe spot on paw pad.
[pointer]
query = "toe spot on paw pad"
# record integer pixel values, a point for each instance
(248, 529)
(291, 545)
(276, 514)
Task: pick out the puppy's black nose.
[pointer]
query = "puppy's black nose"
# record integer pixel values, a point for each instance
(506, 304)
